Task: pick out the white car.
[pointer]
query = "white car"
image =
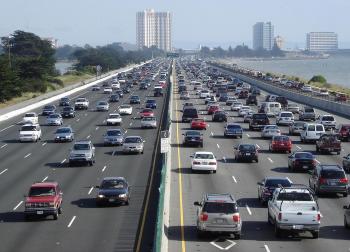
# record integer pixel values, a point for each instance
(236, 106)
(294, 108)
(270, 130)
(198, 91)
(285, 118)
(107, 90)
(149, 122)
(114, 119)
(312, 132)
(115, 85)
(306, 89)
(210, 98)
(243, 110)
(204, 94)
(125, 109)
(323, 92)
(54, 119)
(328, 121)
(30, 117)
(102, 106)
(30, 133)
(204, 161)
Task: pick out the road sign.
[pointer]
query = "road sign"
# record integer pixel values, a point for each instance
(164, 142)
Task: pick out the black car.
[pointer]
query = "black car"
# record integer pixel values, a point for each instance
(256, 91)
(283, 100)
(252, 100)
(48, 110)
(135, 99)
(143, 86)
(223, 97)
(120, 93)
(113, 190)
(64, 101)
(246, 152)
(114, 98)
(301, 160)
(189, 113)
(267, 186)
(158, 92)
(258, 121)
(68, 111)
(152, 104)
(126, 90)
(219, 116)
(193, 138)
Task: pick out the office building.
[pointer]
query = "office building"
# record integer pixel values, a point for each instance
(263, 36)
(153, 29)
(321, 41)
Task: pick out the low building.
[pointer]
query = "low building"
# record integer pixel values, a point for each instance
(321, 41)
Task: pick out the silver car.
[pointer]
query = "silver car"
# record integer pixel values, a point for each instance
(270, 130)
(82, 152)
(113, 137)
(54, 119)
(296, 128)
(102, 106)
(64, 134)
(218, 213)
(149, 122)
(133, 144)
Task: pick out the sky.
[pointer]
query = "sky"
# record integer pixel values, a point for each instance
(195, 22)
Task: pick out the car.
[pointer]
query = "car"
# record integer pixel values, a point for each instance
(311, 132)
(236, 106)
(282, 100)
(64, 134)
(95, 88)
(68, 111)
(54, 119)
(346, 216)
(30, 133)
(48, 109)
(82, 152)
(328, 143)
(43, 199)
(81, 103)
(346, 163)
(113, 190)
(218, 213)
(133, 144)
(198, 124)
(146, 112)
(344, 131)
(252, 100)
(64, 101)
(301, 160)
(244, 110)
(184, 95)
(193, 138)
(114, 98)
(149, 122)
(189, 113)
(243, 94)
(204, 93)
(102, 106)
(294, 108)
(285, 118)
(115, 85)
(135, 99)
(307, 114)
(143, 86)
(114, 119)
(296, 128)
(230, 100)
(120, 93)
(328, 121)
(306, 89)
(107, 90)
(340, 97)
(30, 117)
(203, 161)
(210, 99)
(113, 137)
(233, 129)
(151, 103)
(157, 91)
(125, 109)
(259, 121)
(212, 109)
(270, 130)
(246, 152)
(219, 116)
(280, 143)
(256, 91)
(329, 178)
(248, 116)
(223, 97)
(267, 186)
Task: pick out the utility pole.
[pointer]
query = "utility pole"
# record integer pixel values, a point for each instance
(9, 51)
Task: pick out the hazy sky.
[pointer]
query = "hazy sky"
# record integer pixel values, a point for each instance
(215, 22)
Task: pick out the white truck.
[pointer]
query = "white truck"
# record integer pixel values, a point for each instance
(294, 209)
(81, 103)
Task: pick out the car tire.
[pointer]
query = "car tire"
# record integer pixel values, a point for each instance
(127, 202)
(315, 234)
(214, 171)
(345, 194)
(200, 233)
(278, 231)
(346, 224)
(237, 236)
(59, 210)
(55, 216)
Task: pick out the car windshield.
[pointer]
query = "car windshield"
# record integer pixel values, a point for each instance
(328, 118)
(204, 156)
(332, 174)
(125, 106)
(81, 147)
(41, 191)
(277, 182)
(304, 155)
(63, 130)
(193, 133)
(220, 207)
(133, 140)
(113, 184)
(247, 147)
(28, 128)
(114, 133)
(295, 196)
(234, 126)
(286, 115)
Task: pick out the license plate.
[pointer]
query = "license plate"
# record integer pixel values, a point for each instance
(298, 226)
(247, 154)
(111, 200)
(333, 183)
(305, 166)
(219, 221)
(39, 212)
(205, 163)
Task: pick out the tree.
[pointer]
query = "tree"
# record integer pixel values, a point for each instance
(318, 78)
(10, 85)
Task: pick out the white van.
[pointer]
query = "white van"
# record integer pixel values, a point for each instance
(272, 109)
(312, 132)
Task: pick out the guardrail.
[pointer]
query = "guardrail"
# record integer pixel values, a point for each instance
(342, 109)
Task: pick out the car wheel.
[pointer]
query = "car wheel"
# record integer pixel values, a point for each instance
(214, 171)
(257, 160)
(127, 202)
(315, 234)
(55, 216)
(237, 236)
(278, 231)
(346, 224)
(345, 194)
(60, 210)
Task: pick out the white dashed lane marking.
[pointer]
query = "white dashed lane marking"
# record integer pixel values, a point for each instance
(234, 179)
(218, 146)
(7, 128)
(27, 155)
(44, 144)
(271, 161)
(104, 168)
(3, 171)
(298, 147)
(45, 179)
(71, 222)
(20, 203)
(3, 146)
(248, 209)
(64, 160)
(92, 188)
(266, 248)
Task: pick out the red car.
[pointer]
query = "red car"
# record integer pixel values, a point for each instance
(281, 143)
(212, 109)
(43, 199)
(198, 123)
(146, 112)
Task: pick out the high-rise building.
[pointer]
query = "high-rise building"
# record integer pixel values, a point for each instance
(153, 29)
(263, 36)
(321, 41)
(279, 41)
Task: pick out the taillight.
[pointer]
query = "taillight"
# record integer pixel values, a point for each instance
(196, 162)
(318, 217)
(274, 142)
(212, 163)
(279, 216)
(343, 180)
(203, 217)
(322, 181)
(236, 217)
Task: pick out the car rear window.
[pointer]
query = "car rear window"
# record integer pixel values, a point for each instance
(281, 138)
(309, 110)
(28, 128)
(311, 128)
(204, 156)
(234, 126)
(294, 196)
(190, 111)
(304, 155)
(319, 128)
(332, 174)
(41, 191)
(259, 116)
(247, 147)
(277, 182)
(286, 115)
(218, 207)
(328, 118)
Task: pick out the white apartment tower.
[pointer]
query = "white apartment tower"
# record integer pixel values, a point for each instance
(263, 36)
(153, 29)
(321, 41)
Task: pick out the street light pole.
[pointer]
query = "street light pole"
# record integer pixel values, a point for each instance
(9, 49)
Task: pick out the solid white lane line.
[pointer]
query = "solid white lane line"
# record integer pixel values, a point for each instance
(27, 155)
(3, 171)
(248, 135)
(218, 146)
(3, 146)
(298, 147)
(64, 160)
(267, 248)
(114, 151)
(20, 203)
(45, 179)
(257, 145)
(92, 188)
(71, 222)
(44, 144)
(270, 159)
(104, 168)
(97, 128)
(88, 136)
(7, 128)
(234, 179)
(248, 209)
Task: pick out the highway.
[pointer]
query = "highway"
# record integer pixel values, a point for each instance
(82, 226)
(240, 180)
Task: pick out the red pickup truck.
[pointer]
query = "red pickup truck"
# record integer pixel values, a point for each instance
(328, 143)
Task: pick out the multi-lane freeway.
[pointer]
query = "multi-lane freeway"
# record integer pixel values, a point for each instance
(82, 226)
(240, 179)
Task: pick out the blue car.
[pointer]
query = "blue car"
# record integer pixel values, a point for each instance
(233, 130)
(152, 104)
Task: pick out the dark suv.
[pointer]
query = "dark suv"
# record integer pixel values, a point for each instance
(189, 113)
(258, 121)
(329, 178)
(252, 100)
(283, 100)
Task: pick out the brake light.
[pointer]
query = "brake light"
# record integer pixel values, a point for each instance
(212, 163)
(343, 180)
(203, 217)
(318, 217)
(322, 181)
(196, 162)
(236, 217)
(279, 216)
(274, 142)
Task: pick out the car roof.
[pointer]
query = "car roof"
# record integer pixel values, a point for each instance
(226, 197)
(82, 142)
(113, 114)
(133, 137)
(45, 184)
(277, 178)
(330, 167)
(113, 178)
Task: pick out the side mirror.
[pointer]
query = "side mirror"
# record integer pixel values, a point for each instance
(191, 156)
(196, 203)
(97, 186)
(259, 183)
